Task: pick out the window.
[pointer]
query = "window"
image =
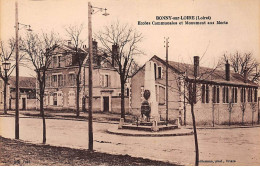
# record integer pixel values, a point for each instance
(60, 80)
(234, 95)
(162, 98)
(55, 99)
(54, 59)
(59, 61)
(127, 91)
(250, 95)
(72, 79)
(207, 94)
(47, 81)
(203, 93)
(104, 80)
(243, 94)
(255, 93)
(215, 94)
(159, 72)
(192, 89)
(225, 95)
(155, 71)
(54, 80)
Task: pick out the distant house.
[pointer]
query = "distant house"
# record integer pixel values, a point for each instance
(27, 86)
(60, 92)
(215, 91)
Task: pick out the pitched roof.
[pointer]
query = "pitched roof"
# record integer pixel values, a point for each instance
(24, 82)
(216, 76)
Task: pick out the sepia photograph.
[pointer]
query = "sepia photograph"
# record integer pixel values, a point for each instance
(129, 83)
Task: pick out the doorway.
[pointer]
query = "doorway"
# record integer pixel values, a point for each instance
(24, 103)
(106, 104)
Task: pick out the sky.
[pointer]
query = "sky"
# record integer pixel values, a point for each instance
(242, 33)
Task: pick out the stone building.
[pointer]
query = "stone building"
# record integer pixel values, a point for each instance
(60, 92)
(27, 87)
(217, 91)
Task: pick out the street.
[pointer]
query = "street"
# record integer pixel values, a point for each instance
(216, 146)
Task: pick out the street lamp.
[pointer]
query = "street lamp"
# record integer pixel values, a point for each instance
(90, 125)
(6, 68)
(17, 68)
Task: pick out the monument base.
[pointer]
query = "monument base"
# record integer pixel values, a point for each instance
(154, 126)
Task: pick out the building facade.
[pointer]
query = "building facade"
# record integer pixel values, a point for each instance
(60, 91)
(27, 87)
(218, 93)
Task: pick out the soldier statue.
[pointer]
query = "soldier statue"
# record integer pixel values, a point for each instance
(145, 107)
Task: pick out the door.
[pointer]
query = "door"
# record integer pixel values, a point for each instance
(24, 103)
(55, 99)
(106, 103)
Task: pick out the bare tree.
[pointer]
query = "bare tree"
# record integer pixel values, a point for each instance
(39, 50)
(230, 108)
(243, 63)
(75, 35)
(243, 109)
(125, 40)
(6, 57)
(253, 106)
(191, 91)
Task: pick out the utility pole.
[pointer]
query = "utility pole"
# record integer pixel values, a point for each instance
(17, 73)
(90, 125)
(167, 99)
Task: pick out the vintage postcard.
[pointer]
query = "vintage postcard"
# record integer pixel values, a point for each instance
(129, 83)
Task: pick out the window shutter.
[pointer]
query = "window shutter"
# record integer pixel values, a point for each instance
(109, 81)
(162, 72)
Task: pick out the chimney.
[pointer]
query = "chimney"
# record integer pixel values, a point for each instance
(115, 53)
(96, 59)
(196, 65)
(245, 75)
(69, 43)
(227, 65)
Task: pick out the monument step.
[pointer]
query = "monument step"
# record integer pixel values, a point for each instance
(149, 128)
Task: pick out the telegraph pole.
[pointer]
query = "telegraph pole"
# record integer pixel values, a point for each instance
(17, 73)
(167, 99)
(90, 125)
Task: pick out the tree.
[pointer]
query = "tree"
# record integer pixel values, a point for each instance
(75, 35)
(6, 57)
(243, 63)
(243, 109)
(39, 50)
(230, 108)
(121, 43)
(189, 80)
(253, 108)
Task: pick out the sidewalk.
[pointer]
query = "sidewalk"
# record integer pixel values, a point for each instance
(103, 117)
(97, 117)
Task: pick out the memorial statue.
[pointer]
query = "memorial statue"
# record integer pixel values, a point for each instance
(145, 107)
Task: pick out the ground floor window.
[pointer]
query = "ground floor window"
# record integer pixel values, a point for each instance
(225, 94)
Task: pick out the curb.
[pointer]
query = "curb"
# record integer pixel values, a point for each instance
(231, 127)
(149, 134)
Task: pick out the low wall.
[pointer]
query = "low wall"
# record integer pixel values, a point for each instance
(30, 104)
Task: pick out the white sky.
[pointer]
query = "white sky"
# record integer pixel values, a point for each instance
(242, 33)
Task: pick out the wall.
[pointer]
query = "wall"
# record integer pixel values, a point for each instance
(204, 112)
(30, 104)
